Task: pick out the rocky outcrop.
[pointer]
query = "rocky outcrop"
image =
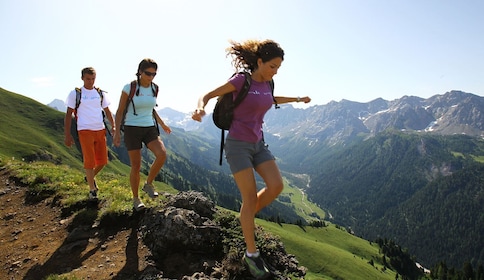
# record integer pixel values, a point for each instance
(189, 234)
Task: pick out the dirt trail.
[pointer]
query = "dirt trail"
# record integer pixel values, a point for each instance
(36, 241)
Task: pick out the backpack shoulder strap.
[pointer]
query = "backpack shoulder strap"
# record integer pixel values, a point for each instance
(244, 90)
(156, 89)
(132, 90)
(78, 97)
(100, 91)
(271, 84)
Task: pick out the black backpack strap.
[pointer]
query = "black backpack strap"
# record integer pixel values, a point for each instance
(155, 89)
(244, 90)
(221, 146)
(132, 90)
(271, 83)
(238, 99)
(101, 95)
(78, 97)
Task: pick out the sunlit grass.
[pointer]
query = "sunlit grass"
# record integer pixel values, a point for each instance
(70, 188)
(303, 207)
(479, 159)
(330, 252)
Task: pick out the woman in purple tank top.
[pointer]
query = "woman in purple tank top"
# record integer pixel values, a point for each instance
(245, 149)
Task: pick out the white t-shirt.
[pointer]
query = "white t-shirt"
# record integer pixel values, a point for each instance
(89, 113)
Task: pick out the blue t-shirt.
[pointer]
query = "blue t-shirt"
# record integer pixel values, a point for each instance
(144, 104)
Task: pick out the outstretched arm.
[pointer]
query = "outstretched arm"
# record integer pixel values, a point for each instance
(283, 99)
(203, 100)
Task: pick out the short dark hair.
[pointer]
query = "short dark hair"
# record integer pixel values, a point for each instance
(87, 70)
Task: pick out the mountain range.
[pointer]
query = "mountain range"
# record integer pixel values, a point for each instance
(408, 169)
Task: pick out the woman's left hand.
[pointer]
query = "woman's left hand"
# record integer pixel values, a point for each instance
(305, 99)
(166, 128)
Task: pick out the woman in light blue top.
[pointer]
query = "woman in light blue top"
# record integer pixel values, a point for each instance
(139, 119)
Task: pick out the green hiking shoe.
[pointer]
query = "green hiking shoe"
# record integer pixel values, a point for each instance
(256, 266)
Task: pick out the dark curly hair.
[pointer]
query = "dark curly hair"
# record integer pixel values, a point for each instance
(245, 55)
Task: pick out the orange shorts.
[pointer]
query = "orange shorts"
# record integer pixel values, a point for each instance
(94, 149)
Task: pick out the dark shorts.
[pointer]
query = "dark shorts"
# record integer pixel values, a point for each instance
(241, 155)
(135, 136)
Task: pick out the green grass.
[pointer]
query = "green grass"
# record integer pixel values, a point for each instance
(68, 186)
(31, 130)
(330, 252)
(479, 159)
(302, 206)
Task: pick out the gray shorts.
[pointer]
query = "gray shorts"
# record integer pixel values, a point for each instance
(241, 155)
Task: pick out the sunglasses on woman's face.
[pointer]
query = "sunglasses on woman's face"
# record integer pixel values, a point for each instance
(148, 73)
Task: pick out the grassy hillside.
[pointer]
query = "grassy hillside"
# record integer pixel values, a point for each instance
(331, 252)
(31, 130)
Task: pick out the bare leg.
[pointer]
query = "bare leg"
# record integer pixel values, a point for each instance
(159, 150)
(272, 177)
(134, 176)
(245, 180)
(90, 178)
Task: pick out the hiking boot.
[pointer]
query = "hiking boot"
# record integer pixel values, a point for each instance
(137, 204)
(95, 185)
(93, 194)
(256, 266)
(150, 190)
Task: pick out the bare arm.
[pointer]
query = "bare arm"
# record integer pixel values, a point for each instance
(109, 115)
(119, 118)
(166, 128)
(283, 99)
(68, 141)
(203, 100)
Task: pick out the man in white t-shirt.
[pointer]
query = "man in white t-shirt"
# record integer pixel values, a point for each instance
(87, 109)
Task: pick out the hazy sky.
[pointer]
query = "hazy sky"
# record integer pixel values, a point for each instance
(356, 50)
